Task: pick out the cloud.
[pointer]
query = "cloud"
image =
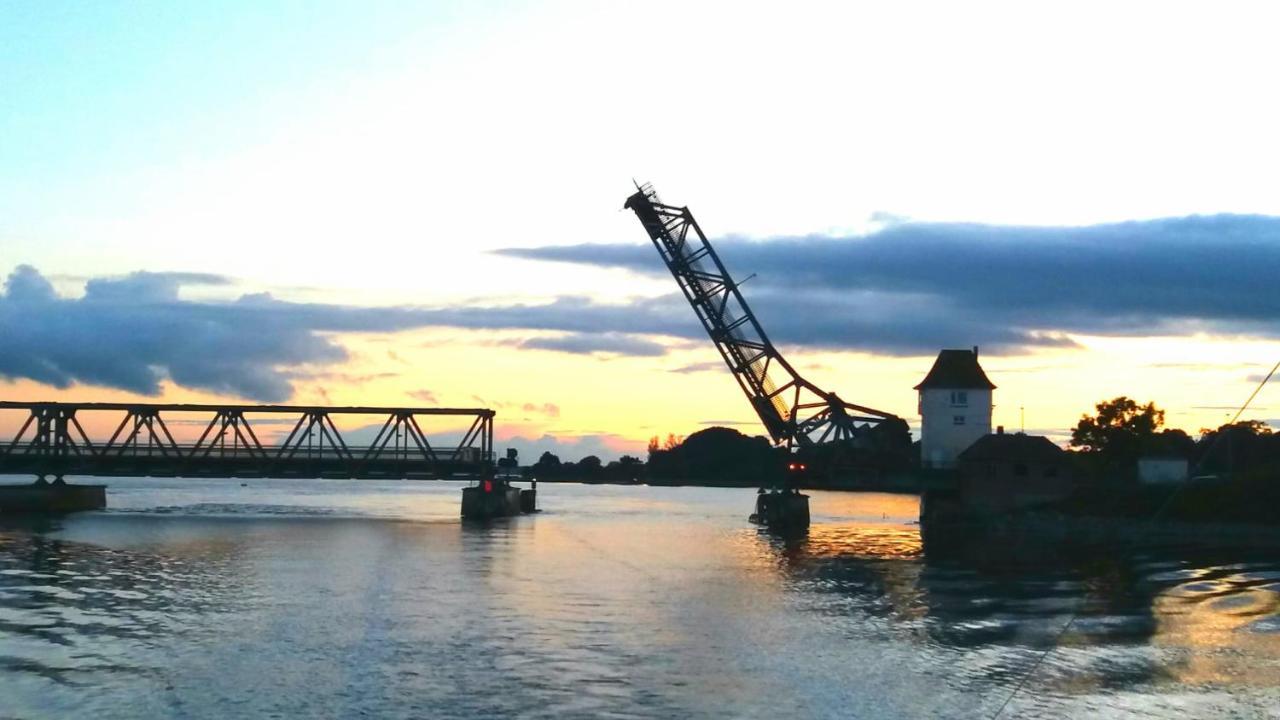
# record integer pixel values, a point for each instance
(425, 396)
(607, 343)
(913, 287)
(550, 410)
(906, 289)
(575, 314)
(338, 378)
(572, 447)
(134, 332)
(699, 367)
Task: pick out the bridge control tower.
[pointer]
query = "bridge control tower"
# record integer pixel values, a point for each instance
(955, 407)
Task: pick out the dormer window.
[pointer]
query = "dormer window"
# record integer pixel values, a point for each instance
(959, 398)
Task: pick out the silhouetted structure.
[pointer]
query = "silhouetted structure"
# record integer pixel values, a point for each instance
(718, 456)
(53, 441)
(793, 410)
(1003, 472)
(955, 407)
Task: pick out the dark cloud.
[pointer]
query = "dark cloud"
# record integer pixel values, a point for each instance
(606, 343)
(331, 377)
(907, 289)
(134, 332)
(575, 314)
(911, 287)
(699, 367)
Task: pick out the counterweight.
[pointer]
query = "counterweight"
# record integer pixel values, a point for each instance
(793, 410)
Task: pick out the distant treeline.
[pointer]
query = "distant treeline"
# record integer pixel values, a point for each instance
(1109, 443)
(1105, 446)
(714, 456)
(725, 457)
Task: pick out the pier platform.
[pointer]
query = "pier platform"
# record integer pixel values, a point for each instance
(51, 498)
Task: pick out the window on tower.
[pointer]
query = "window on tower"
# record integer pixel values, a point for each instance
(959, 398)
(957, 420)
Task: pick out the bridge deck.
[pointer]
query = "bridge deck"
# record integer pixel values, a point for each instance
(52, 440)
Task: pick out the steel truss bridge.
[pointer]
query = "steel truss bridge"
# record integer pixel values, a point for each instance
(54, 442)
(792, 409)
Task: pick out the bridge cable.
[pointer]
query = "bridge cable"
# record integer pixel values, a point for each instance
(1150, 523)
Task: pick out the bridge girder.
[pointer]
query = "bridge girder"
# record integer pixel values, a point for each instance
(793, 410)
(52, 441)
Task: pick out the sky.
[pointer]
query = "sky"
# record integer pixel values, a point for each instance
(420, 204)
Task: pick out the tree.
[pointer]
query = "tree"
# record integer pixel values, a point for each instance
(1236, 447)
(716, 455)
(589, 464)
(1120, 429)
(547, 460)
(1252, 427)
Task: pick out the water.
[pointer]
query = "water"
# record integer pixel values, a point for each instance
(339, 599)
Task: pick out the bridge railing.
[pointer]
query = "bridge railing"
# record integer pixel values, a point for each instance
(52, 440)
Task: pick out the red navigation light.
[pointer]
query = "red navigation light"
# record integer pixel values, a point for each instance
(488, 486)
(792, 466)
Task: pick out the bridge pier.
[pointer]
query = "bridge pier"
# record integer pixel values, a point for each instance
(44, 497)
(490, 499)
(781, 509)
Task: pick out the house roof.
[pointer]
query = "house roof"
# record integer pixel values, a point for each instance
(956, 369)
(1013, 448)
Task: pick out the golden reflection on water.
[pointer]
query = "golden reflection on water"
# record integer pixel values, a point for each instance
(866, 541)
(1213, 618)
(856, 541)
(866, 526)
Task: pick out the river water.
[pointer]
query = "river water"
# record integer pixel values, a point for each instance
(340, 599)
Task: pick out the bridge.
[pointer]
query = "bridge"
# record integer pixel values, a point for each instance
(53, 441)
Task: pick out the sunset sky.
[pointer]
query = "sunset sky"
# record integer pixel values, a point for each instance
(420, 204)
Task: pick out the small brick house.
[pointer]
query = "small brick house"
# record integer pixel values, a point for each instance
(1002, 472)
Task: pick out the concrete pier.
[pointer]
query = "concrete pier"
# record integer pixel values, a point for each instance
(785, 510)
(43, 497)
(529, 499)
(490, 499)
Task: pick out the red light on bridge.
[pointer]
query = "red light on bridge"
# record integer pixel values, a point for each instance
(488, 486)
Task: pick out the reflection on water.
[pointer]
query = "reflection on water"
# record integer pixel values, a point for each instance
(217, 601)
(1139, 627)
(72, 614)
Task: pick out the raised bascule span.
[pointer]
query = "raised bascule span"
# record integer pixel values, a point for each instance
(793, 410)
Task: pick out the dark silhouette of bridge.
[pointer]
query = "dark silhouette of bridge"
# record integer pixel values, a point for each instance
(54, 442)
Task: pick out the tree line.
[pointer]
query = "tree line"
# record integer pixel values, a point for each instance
(1121, 431)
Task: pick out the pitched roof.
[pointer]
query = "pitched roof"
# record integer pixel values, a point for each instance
(1013, 448)
(956, 369)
